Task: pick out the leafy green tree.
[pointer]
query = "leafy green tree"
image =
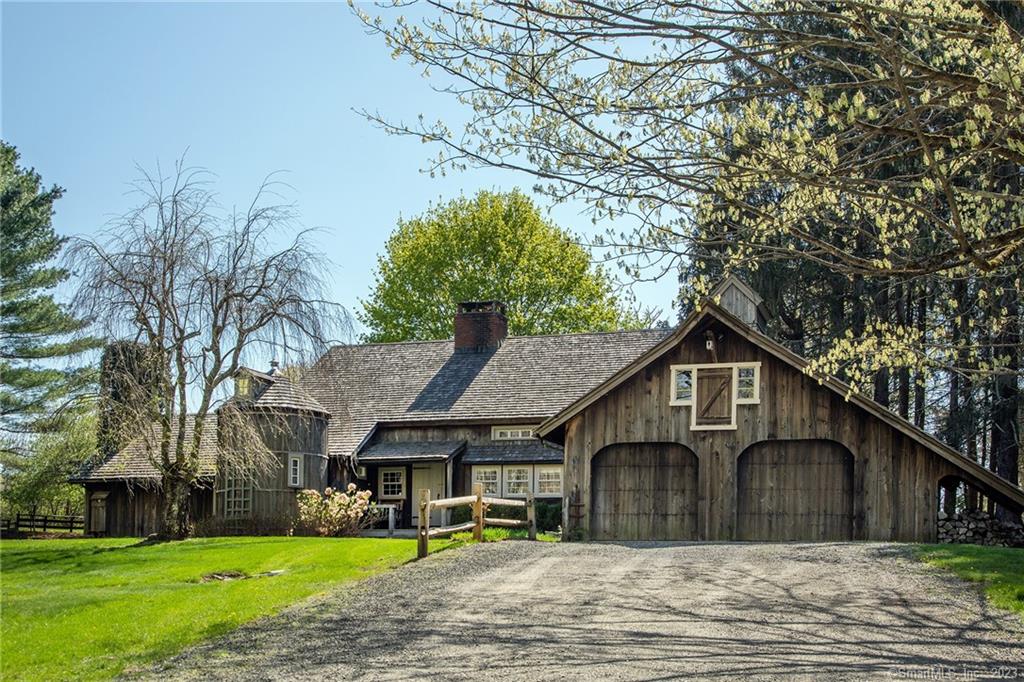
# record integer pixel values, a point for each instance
(40, 479)
(491, 247)
(38, 335)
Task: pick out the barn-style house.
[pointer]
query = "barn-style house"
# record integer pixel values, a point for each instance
(709, 431)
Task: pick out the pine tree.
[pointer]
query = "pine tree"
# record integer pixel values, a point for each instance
(38, 336)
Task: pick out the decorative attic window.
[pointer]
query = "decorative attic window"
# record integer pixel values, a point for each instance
(748, 385)
(511, 432)
(682, 386)
(714, 390)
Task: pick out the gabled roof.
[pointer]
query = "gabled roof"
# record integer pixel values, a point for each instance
(999, 484)
(527, 379)
(135, 460)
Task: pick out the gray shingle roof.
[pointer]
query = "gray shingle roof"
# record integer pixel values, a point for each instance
(284, 394)
(439, 450)
(135, 460)
(507, 453)
(528, 378)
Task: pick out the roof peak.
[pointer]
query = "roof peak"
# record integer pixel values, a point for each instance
(663, 330)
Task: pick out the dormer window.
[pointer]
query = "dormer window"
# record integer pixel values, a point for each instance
(243, 387)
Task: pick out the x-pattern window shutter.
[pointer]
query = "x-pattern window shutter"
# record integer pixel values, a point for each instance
(714, 396)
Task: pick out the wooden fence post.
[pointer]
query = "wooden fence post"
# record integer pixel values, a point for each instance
(531, 516)
(423, 534)
(391, 521)
(478, 512)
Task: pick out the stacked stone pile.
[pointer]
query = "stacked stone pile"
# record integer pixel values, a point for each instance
(978, 527)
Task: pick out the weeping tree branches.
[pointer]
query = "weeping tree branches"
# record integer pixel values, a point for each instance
(197, 290)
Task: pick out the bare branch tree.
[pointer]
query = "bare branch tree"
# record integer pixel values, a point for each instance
(200, 290)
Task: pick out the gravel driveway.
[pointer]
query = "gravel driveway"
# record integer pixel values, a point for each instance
(532, 611)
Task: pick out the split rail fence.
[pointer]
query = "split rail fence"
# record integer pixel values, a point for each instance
(479, 503)
(43, 523)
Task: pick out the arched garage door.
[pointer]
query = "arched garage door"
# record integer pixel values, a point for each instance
(644, 491)
(795, 490)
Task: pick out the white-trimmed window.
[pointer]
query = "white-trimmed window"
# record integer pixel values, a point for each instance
(392, 484)
(237, 496)
(713, 391)
(549, 480)
(490, 477)
(682, 385)
(748, 384)
(511, 432)
(295, 471)
(517, 481)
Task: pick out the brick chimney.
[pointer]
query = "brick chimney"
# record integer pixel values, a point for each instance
(480, 326)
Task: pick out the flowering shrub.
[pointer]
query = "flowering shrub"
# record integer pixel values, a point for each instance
(335, 512)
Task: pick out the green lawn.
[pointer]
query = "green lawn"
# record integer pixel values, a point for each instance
(999, 569)
(74, 609)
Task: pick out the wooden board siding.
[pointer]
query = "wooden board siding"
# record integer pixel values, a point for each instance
(894, 478)
(644, 491)
(136, 511)
(272, 496)
(795, 490)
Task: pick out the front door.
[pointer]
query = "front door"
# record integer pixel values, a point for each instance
(430, 475)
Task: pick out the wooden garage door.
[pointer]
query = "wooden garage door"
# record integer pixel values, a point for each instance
(644, 491)
(795, 490)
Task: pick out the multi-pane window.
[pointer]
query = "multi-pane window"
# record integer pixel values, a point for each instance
(237, 496)
(295, 471)
(517, 480)
(512, 433)
(489, 476)
(549, 480)
(713, 390)
(682, 386)
(392, 484)
(746, 384)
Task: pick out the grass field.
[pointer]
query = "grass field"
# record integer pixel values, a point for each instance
(1000, 570)
(88, 609)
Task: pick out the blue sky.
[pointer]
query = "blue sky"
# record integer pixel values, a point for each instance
(89, 90)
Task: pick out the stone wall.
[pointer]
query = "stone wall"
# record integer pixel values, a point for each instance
(979, 528)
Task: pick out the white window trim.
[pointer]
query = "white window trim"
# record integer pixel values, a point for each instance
(536, 479)
(695, 370)
(513, 427)
(296, 482)
(756, 400)
(380, 483)
(488, 467)
(505, 479)
(693, 385)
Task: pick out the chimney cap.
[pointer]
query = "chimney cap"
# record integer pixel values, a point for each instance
(493, 306)
(274, 364)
